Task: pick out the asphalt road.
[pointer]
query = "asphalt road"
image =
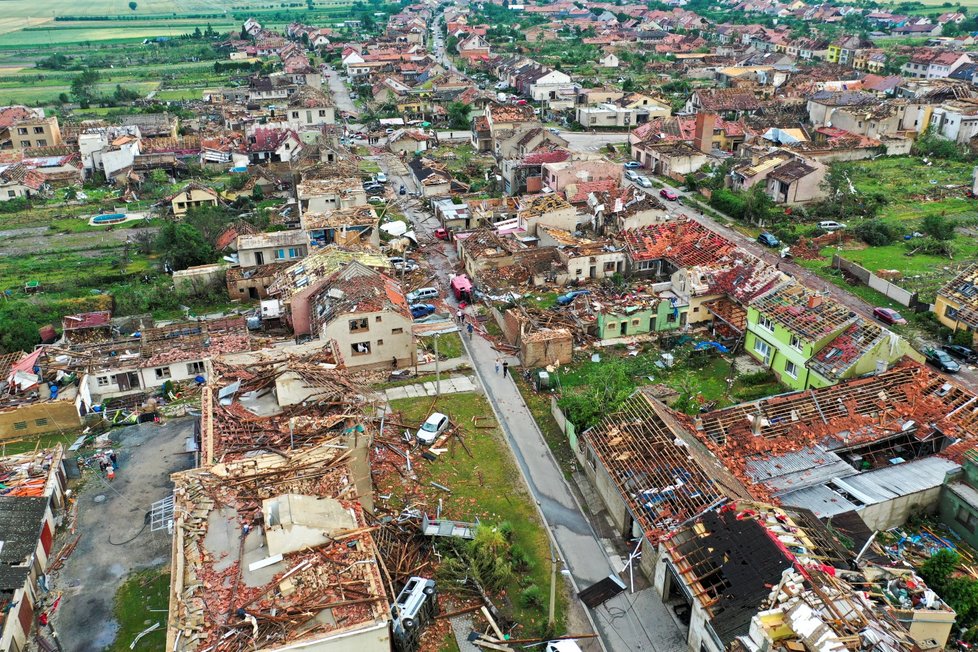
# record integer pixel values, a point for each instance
(628, 622)
(584, 141)
(341, 94)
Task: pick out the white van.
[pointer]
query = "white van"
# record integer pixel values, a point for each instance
(421, 294)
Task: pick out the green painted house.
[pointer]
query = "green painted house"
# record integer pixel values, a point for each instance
(668, 314)
(959, 500)
(808, 340)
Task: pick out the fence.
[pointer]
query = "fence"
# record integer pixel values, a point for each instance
(884, 287)
(565, 425)
(444, 136)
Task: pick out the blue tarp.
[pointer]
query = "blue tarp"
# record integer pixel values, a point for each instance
(716, 345)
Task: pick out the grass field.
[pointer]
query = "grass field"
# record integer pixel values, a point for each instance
(485, 485)
(140, 602)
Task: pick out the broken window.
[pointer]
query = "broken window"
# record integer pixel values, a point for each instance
(360, 348)
(20, 425)
(796, 342)
(950, 313)
(378, 318)
(40, 422)
(162, 372)
(359, 325)
(609, 267)
(397, 331)
(380, 342)
(765, 323)
(966, 518)
(102, 381)
(194, 368)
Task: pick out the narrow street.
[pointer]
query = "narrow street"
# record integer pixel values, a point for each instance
(339, 91)
(628, 622)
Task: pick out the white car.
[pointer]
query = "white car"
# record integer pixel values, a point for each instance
(380, 178)
(830, 225)
(644, 182)
(631, 175)
(436, 424)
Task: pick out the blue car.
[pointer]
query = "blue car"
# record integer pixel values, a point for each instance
(768, 239)
(419, 310)
(566, 299)
(632, 165)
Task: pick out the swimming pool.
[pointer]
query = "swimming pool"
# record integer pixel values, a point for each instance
(109, 218)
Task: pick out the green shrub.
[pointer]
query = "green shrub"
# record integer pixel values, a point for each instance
(757, 378)
(532, 597)
(876, 233)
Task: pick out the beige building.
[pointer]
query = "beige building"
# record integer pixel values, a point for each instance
(364, 318)
(31, 132)
(275, 247)
(192, 196)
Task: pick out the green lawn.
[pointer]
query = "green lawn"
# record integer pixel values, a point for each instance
(37, 442)
(484, 486)
(140, 602)
(449, 346)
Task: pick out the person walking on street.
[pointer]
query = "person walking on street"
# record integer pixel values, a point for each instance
(505, 369)
(469, 329)
(497, 365)
(458, 316)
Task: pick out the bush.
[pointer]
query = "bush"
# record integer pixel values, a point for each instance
(932, 247)
(938, 227)
(875, 233)
(532, 597)
(757, 378)
(728, 202)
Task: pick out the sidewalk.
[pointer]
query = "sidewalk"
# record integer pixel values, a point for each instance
(452, 385)
(626, 623)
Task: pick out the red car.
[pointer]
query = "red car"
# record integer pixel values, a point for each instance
(442, 234)
(668, 194)
(888, 316)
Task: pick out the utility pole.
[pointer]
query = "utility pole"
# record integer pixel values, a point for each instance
(553, 582)
(437, 370)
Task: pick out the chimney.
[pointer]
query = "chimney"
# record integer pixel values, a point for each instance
(814, 300)
(703, 134)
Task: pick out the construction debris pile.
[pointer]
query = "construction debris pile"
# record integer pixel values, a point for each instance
(26, 475)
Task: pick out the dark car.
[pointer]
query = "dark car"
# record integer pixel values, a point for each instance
(419, 310)
(889, 316)
(961, 352)
(942, 361)
(768, 239)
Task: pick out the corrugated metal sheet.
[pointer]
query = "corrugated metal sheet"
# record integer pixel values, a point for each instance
(872, 487)
(797, 470)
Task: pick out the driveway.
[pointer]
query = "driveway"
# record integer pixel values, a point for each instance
(114, 540)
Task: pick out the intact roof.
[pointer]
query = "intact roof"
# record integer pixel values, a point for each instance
(804, 312)
(963, 290)
(272, 239)
(20, 529)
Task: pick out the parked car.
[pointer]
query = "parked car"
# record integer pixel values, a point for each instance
(376, 199)
(961, 352)
(942, 361)
(644, 182)
(421, 293)
(436, 424)
(442, 234)
(554, 130)
(389, 131)
(669, 194)
(380, 177)
(889, 316)
(406, 266)
(768, 239)
(567, 299)
(631, 175)
(419, 310)
(831, 225)
(631, 165)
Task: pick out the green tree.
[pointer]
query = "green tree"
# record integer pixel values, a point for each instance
(132, 6)
(757, 205)
(938, 227)
(209, 221)
(628, 85)
(875, 233)
(123, 94)
(83, 87)
(606, 388)
(181, 246)
(18, 332)
(458, 115)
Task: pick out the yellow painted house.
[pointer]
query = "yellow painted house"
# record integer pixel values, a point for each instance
(956, 305)
(835, 50)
